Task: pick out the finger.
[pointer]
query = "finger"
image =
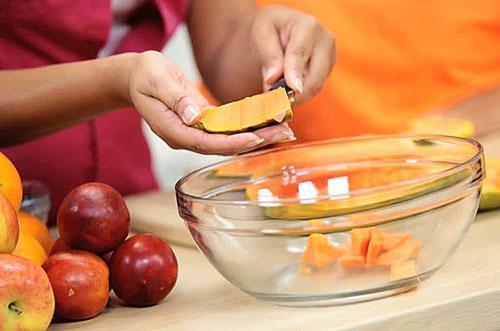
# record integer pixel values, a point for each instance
(175, 92)
(268, 44)
(298, 52)
(320, 67)
(198, 96)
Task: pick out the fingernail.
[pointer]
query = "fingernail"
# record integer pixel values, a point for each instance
(299, 85)
(283, 136)
(268, 73)
(256, 142)
(191, 113)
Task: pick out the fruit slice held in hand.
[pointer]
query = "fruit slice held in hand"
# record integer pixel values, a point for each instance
(490, 193)
(26, 295)
(247, 114)
(35, 227)
(9, 226)
(93, 217)
(29, 248)
(143, 270)
(80, 283)
(10, 182)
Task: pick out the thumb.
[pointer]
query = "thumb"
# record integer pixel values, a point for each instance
(184, 100)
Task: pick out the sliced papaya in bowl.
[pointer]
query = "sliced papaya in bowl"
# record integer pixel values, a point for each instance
(339, 185)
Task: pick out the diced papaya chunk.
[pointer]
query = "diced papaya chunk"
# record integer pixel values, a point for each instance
(348, 261)
(403, 270)
(320, 252)
(374, 247)
(402, 252)
(391, 240)
(359, 241)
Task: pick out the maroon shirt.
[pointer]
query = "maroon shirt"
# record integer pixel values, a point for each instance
(111, 148)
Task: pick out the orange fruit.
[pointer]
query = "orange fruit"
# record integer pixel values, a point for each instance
(10, 182)
(35, 227)
(29, 248)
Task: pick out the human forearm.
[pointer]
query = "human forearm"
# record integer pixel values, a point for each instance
(220, 31)
(39, 101)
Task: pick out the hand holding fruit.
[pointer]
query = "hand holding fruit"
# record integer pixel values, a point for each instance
(170, 104)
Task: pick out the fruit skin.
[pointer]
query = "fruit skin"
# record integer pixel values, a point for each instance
(59, 246)
(490, 193)
(9, 225)
(143, 270)
(93, 217)
(26, 286)
(29, 248)
(10, 182)
(80, 283)
(32, 225)
(436, 124)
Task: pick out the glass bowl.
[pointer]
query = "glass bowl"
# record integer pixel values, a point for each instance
(36, 199)
(337, 221)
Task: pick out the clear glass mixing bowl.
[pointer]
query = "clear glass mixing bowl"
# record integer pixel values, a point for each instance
(337, 221)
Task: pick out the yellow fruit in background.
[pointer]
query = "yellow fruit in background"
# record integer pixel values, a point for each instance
(490, 194)
(35, 227)
(29, 248)
(447, 126)
(10, 182)
(9, 226)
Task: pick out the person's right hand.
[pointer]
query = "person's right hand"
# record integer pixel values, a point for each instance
(170, 104)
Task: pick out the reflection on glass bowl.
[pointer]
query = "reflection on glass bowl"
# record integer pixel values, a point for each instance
(337, 221)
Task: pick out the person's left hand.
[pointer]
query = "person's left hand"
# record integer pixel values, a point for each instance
(295, 45)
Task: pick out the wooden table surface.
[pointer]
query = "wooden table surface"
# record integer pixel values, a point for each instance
(463, 295)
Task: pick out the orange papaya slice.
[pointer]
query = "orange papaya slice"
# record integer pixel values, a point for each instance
(374, 247)
(247, 114)
(360, 238)
(391, 240)
(307, 186)
(401, 253)
(349, 261)
(402, 270)
(320, 252)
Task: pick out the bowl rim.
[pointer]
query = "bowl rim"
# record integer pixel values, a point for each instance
(437, 175)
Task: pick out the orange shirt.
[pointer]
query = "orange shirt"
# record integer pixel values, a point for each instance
(397, 60)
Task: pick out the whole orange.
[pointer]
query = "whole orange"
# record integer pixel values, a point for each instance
(10, 182)
(35, 227)
(29, 248)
